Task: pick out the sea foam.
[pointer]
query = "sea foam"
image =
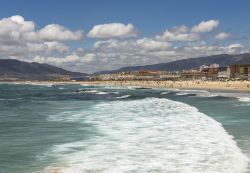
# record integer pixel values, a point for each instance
(148, 136)
(244, 99)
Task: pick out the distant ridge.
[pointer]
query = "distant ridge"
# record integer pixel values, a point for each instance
(222, 60)
(11, 69)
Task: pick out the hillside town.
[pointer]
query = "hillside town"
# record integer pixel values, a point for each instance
(204, 72)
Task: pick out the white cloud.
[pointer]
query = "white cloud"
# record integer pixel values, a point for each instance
(236, 45)
(56, 32)
(113, 30)
(25, 25)
(119, 53)
(46, 47)
(152, 45)
(20, 38)
(88, 57)
(12, 28)
(144, 44)
(16, 29)
(57, 60)
(36, 47)
(178, 33)
(184, 33)
(205, 26)
(222, 36)
(54, 45)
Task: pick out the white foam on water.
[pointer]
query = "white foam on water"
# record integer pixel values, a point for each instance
(244, 99)
(85, 84)
(210, 95)
(101, 93)
(182, 94)
(151, 136)
(91, 91)
(163, 93)
(115, 87)
(37, 84)
(114, 92)
(123, 97)
(66, 116)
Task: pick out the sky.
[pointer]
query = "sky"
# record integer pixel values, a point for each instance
(95, 35)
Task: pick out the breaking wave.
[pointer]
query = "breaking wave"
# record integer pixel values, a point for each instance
(150, 136)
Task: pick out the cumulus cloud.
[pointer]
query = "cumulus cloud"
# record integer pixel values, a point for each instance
(54, 45)
(16, 29)
(119, 53)
(236, 45)
(138, 45)
(88, 57)
(13, 28)
(184, 33)
(205, 26)
(178, 33)
(73, 58)
(118, 45)
(56, 60)
(222, 36)
(236, 48)
(56, 32)
(45, 47)
(20, 38)
(113, 30)
(152, 45)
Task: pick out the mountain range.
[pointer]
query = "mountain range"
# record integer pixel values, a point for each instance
(11, 69)
(185, 64)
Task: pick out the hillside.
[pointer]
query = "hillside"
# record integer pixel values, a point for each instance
(222, 60)
(17, 70)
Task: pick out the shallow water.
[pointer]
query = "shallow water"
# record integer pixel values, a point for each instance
(107, 129)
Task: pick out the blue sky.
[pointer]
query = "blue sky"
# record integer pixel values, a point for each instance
(150, 18)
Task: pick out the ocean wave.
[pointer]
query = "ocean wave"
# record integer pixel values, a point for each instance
(101, 93)
(164, 93)
(185, 94)
(38, 84)
(182, 94)
(123, 97)
(91, 91)
(209, 95)
(150, 135)
(66, 116)
(244, 99)
(116, 87)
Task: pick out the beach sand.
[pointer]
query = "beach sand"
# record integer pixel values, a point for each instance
(235, 86)
(241, 86)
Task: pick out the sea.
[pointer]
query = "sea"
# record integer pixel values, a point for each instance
(74, 128)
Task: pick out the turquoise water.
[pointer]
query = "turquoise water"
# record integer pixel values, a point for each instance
(76, 128)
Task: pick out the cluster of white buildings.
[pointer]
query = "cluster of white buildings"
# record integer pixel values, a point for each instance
(204, 72)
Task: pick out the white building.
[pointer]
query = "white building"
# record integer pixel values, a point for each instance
(224, 72)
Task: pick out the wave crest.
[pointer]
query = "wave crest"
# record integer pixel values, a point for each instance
(152, 135)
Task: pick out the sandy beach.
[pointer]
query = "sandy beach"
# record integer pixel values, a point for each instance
(240, 86)
(236, 86)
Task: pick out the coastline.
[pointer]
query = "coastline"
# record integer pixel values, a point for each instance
(231, 86)
(222, 86)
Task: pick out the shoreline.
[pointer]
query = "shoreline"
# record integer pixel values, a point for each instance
(212, 86)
